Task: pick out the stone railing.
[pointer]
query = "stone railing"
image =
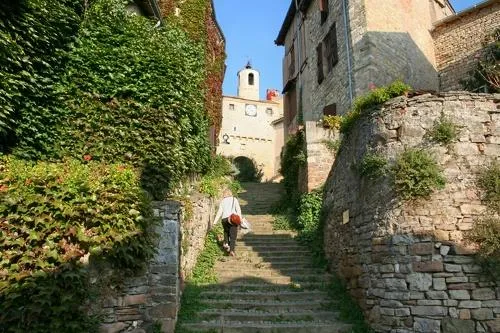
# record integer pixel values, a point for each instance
(406, 262)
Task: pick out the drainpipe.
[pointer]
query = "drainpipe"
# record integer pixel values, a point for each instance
(299, 60)
(348, 51)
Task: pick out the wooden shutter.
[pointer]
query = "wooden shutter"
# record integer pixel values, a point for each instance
(303, 54)
(323, 8)
(331, 50)
(335, 51)
(319, 63)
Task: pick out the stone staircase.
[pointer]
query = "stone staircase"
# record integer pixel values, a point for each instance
(271, 284)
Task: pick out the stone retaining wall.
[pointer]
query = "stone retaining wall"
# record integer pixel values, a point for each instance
(405, 262)
(153, 297)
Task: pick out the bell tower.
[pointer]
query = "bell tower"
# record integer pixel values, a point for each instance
(248, 83)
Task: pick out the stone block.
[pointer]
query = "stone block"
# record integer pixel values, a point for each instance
(427, 325)
(450, 302)
(483, 294)
(428, 266)
(134, 299)
(444, 250)
(461, 286)
(470, 268)
(395, 284)
(431, 310)
(439, 284)
(402, 312)
(397, 295)
(128, 314)
(469, 304)
(494, 325)
(390, 303)
(419, 281)
(429, 302)
(452, 325)
(387, 311)
(457, 279)
(112, 328)
(482, 314)
(459, 294)
(421, 249)
(453, 312)
(491, 304)
(465, 314)
(437, 295)
(452, 268)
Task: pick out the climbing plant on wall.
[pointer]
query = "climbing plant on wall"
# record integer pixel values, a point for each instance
(35, 37)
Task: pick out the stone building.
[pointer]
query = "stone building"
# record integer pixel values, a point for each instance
(336, 50)
(251, 127)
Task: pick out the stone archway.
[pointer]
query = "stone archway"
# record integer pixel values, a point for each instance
(248, 170)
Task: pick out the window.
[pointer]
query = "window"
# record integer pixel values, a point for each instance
(269, 111)
(331, 51)
(250, 79)
(319, 63)
(323, 9)
(291, 66)
(231, 106)
(330, 110)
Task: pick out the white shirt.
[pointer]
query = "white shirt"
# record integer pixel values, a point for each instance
(228, 206)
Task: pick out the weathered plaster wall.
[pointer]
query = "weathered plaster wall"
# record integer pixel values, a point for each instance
(153, 297)
(459, 41)
(252, 136)
(406, 262)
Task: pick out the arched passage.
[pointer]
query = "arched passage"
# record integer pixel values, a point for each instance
(248, 171)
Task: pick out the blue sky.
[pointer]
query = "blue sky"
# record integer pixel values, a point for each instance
(250, 28)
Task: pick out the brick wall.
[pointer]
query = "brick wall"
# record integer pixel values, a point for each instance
(459, 41)
(406, 262)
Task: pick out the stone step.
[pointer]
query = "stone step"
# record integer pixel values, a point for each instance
(267, 306)
(273, 279)
(269, 327)
(259, 285)
(266, 295)
(255, 237)
(267, 233)
(276, 253)
(261, 316)
(240, 246)
(259, 263)
(228, 270)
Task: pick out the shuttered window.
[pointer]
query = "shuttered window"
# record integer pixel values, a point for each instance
(323, 9)
(331, 50)
(319, 63)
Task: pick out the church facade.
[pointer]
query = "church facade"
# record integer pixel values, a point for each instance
(253, 128)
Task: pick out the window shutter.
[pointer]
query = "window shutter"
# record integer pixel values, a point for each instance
(334, 49)
(303, 54)
(323, 8)
(319, 62)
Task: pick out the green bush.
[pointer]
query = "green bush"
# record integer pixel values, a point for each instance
(489, 182)
(486, 234)
(486, 76)
(35, 37)
(333, 146)
(220, 166)
(444, 131)
(53, 216)
(310, 224)
(416, 174)
(293, 157)
(372, 166)
(374, 97)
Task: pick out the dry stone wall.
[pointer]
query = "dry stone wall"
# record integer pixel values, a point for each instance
(153, 297)
(406, 262)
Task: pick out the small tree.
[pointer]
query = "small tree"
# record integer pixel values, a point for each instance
(486, 76)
